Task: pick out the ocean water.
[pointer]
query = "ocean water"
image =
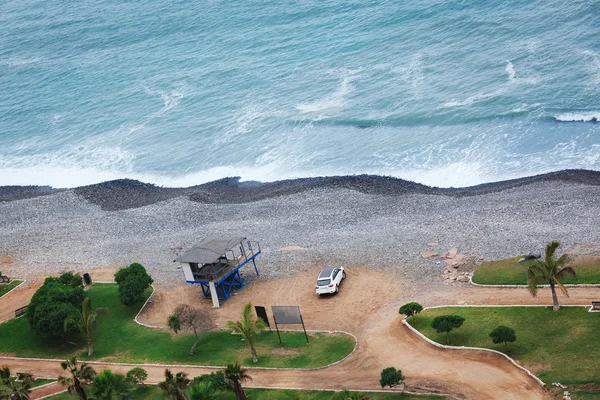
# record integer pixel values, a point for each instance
(177, 93)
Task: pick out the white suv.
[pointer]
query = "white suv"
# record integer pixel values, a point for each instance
(329, 280)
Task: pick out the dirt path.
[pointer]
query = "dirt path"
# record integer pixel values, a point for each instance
(47, 390)
(16, 299)
(367, 307)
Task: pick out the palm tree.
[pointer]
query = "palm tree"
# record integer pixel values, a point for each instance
(16, 388)
(234, 376)
(550, 271)
(203, 391)
(173, 386)
(109, 385)
(85, 322)
(249, 328)
(80, 377)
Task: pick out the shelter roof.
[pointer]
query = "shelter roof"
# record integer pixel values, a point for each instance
(210, 249)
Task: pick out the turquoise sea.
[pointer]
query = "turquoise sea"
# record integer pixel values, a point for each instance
(177, 93)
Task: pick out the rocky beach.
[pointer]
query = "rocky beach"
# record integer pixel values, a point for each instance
(378, 222)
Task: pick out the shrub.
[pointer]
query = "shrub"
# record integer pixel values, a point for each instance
(216, 380)
(136, 376)
(391, 377)
(52, 303)
(133, 281)
(69, 279)
(410, 309)
(503, 334)
(445, 323)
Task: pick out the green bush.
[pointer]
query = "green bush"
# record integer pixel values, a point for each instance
(133, 281)
(216, 380)
(70, 279)
(410, 309)
(52, 303)
(503, 334)
(136, 376)
(391, 377)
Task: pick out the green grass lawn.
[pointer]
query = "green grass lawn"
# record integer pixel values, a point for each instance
(118, 338)
(510, 272)
(41, 381)
(154, 393)
(7, 287)
(557, 346)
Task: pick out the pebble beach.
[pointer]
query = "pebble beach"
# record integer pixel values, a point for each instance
(381, 223)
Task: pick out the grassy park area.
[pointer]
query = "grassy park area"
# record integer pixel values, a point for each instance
(7, 287)
(154, 393)
(511, 272)
(557, 346)
(117, 338)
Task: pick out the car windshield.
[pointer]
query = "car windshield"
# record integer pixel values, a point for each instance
(323, 282)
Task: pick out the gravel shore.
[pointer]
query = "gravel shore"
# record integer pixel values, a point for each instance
(379, 222)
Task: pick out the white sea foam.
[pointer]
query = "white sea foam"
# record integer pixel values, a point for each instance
(593, 116)
(510, 70)
(333, 101)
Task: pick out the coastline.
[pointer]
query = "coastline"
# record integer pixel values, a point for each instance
(377, 222)
(128, 193)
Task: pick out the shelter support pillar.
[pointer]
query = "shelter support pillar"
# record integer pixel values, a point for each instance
(213, 294)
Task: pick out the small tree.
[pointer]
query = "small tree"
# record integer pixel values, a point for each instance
(202, 391)
(108, 386)
(136, 376)
(174, 385)
(81, 376)
(193, 320)
(249, 327)
(445, 323)
(16, 388)
(391, 377)
(410, 309)
(133, 281)
(503, 334)
(234, 376)
(85, 321)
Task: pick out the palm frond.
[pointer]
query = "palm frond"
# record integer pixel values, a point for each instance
(566, 271)
(563, 260)
(562, 287)
(550, 250)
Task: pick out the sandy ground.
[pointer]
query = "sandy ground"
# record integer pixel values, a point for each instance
(366, 306)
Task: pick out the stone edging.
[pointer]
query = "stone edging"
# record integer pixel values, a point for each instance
(526, 286)
(142, 309)
(52, 395)
(45, 384)
(436, 344)
(20, 284)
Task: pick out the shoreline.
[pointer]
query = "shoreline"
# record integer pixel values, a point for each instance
(124, 194)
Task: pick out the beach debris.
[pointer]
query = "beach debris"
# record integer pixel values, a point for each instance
(458, 267)
(429, 254)
(451, 253)
(529, 257)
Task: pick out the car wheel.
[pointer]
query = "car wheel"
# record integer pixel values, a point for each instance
(343, 275)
